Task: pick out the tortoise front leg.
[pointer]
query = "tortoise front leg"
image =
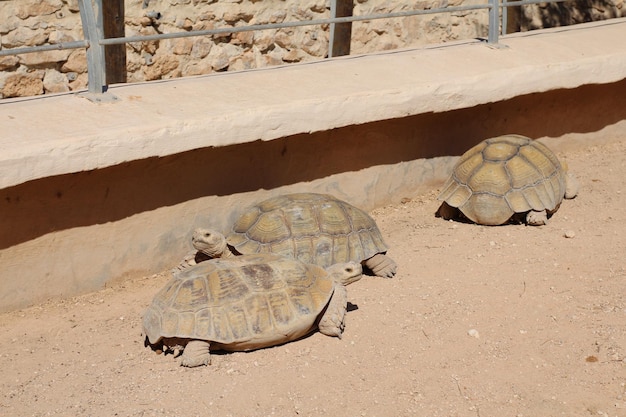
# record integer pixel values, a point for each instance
(196, 353)
(332, 322)
(188, 261)
(382, 265)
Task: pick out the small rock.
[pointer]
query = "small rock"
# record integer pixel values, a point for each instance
(569, 234)
(473, 333)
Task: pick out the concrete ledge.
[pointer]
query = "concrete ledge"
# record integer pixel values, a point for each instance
(55, 135)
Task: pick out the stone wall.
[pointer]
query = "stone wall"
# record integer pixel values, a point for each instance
(38, 22)
(548, 15)
(35, 22)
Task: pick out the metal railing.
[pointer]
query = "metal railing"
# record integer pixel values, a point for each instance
(94, 42)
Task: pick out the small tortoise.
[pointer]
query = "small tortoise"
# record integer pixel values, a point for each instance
(504, 177)
(315, 228)
(247, 302)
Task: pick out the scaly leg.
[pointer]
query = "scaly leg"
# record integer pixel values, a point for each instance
(382, 265)
(537, 218)
(332, 322)
(196, 353)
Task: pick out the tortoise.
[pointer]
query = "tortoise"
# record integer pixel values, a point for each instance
(247, 302)
(506, 178)
(315, 228)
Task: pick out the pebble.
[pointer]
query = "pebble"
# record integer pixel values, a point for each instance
(569, 234)
(473, 333)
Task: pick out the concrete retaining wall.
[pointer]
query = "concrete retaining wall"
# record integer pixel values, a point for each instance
(94, 193)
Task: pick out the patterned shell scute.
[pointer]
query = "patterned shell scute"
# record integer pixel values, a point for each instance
(241, 303)
(315, 228)
(503, 176)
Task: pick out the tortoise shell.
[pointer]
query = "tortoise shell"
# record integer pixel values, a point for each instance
(315, 228)
(505, 175)
(241, 303)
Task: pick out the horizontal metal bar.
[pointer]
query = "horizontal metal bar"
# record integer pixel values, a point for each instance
(114, 41)
(43, 48)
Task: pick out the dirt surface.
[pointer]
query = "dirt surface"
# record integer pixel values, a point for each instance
(480, 321)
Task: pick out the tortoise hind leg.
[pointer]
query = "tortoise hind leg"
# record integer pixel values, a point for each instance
(196, 353)
(571, 186)
(382, 265)
(537, 218)
(447, 212)
(332, 321)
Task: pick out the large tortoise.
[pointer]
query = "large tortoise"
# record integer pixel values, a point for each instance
(504, 178)
(315, 228)
(247, 302)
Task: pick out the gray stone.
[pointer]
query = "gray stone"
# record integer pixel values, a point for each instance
(55, 82)
(201, 47)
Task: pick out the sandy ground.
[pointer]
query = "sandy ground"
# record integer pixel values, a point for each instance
(480, 321)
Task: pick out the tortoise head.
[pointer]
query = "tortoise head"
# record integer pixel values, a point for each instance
(210, 242)
(345, 273)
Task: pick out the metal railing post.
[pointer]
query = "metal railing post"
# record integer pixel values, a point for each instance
(91, 19)
(494, 22)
